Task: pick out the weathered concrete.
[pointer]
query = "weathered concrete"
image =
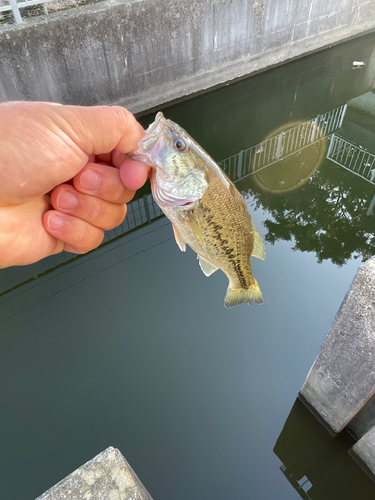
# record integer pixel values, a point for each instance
(342, 378)
(107, 476)
(364, 451)
(142, 53)
(364, 420)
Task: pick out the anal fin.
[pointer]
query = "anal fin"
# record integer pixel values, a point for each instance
(206, 266)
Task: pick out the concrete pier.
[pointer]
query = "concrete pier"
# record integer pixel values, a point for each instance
(342, 379)
(340, 387)
(364, 452)
(107, 476)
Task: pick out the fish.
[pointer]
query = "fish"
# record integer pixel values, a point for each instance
(206, 210)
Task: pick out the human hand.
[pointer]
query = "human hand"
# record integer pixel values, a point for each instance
(61, 169)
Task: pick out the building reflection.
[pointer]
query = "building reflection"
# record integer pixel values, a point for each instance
(318, 465)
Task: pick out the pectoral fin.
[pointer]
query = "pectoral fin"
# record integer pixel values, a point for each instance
(196, 229)
(206, 266)
(180, 242)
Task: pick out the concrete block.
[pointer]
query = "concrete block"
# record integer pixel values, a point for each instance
(107, 476)
(363, 452)
(364, 420)
(342, 378)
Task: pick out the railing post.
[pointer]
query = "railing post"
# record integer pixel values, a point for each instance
(147, 208)
(16, 11)
(315, 128)
(331, 146)
(342, 115)
(371, 206)
(239, 164)
(279, 148)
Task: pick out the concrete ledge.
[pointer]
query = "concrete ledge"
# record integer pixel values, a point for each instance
(107, 476)
(142, 53)
(363, 452)
(342, 378)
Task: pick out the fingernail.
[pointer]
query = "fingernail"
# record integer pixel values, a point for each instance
(90, 180)
(55, 222)
(66, 200)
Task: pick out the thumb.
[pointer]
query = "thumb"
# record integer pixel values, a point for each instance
(45, 144)
(99, 129)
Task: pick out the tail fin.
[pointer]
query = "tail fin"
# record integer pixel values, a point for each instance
(237, 296)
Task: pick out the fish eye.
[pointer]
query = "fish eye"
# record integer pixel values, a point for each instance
(178, 144)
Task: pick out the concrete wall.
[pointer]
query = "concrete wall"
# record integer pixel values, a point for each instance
(142, 53)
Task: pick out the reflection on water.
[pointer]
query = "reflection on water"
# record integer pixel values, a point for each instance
(318, 466)
(129, 346)
(140, 212)
(330, 214)
(289, 157)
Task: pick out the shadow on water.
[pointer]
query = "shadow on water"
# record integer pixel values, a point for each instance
(111, 349)
(317, 465)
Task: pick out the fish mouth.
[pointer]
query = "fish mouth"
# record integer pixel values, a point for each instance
(153, 133)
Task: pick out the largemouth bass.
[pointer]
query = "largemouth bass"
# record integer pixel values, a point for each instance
(206, 210)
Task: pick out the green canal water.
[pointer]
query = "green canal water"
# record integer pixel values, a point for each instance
(131, 346)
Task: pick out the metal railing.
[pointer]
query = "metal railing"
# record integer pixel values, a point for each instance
(348, 155)
(15, 7)
(286, 143)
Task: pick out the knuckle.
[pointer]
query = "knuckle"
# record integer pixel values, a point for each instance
(88, 238)
(116, 217)
(119, 194)
(108, 215)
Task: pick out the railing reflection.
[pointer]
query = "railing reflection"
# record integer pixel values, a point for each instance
(285, 143)
(352, 157)
(140, 212)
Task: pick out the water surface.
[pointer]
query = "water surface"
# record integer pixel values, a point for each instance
(130, 346)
